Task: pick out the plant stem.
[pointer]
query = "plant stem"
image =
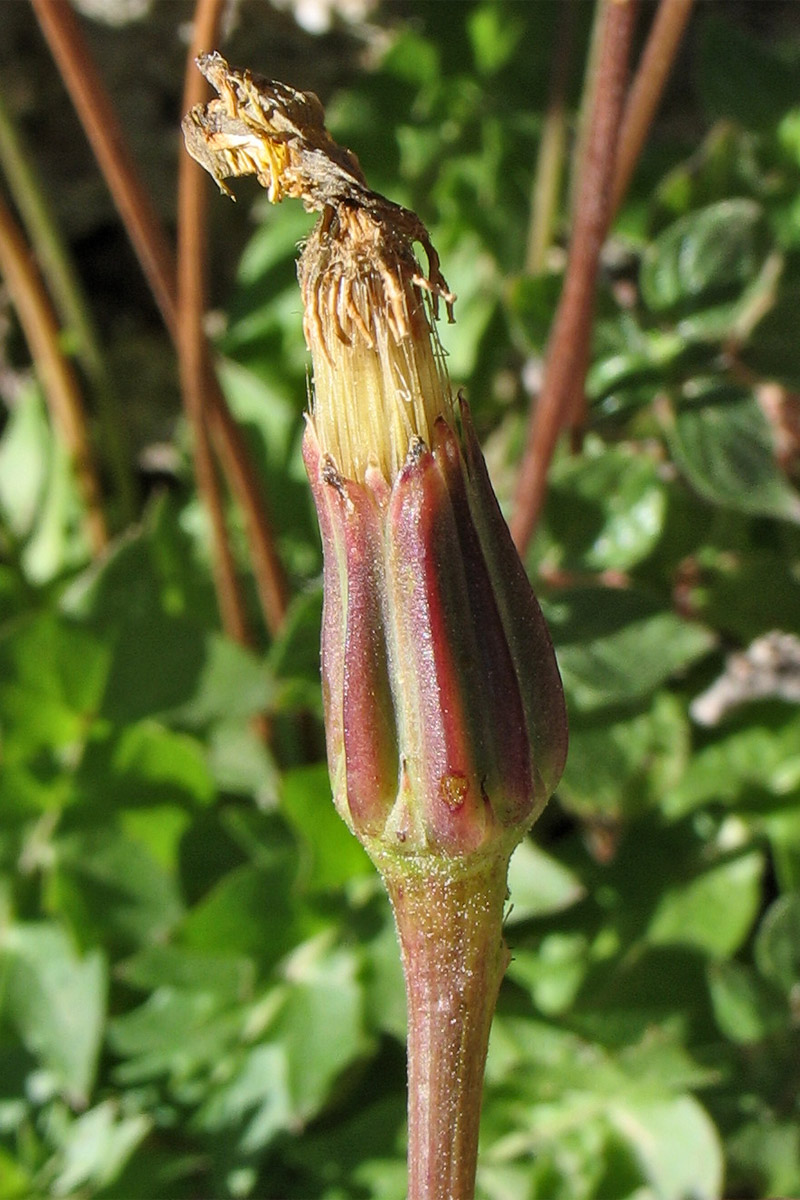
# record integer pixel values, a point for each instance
(449, 918)
(194, 372)
(96, 111)
(70, 302)
(549, 163)
(78, 70)
(646, 90)
(567, 351)
(55, 373)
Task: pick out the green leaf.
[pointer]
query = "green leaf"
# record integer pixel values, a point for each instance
(175, 1033)
(555, 973)
(228, 977)
(320, 1027)
(97, 1146)
(112, 887)
(254, 1101)
(697, 271)
(771, 349)
(57, 1001)
(24, 460)
(722, 443)
(145, 765)
(614, 646)
(621, 763)
(606, 509)
(52, 675)
(495, 32)
(676, 1144)
(739, 767)
(231, 684)
(248, 912)
(330, 855)
(746, 1008)
(538, 884)
(714, 910)
(777, 949)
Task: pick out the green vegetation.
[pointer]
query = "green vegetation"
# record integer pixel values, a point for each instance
(200, 992)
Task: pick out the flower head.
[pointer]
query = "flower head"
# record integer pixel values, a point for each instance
(444, 710)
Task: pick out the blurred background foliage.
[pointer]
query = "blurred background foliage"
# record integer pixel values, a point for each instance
(200, 992)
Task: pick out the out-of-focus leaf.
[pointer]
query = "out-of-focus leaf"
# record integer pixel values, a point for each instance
(723, 444)
(57, 1000)
(113, 888)
(384, 985)
(494, 34)
(714, 910)
(754, 590)
(746, 1008)
(697, 270)
(15, 1182)
(177, 967)
(255, 1100)
(619, 763)
(52, 675)
(97, 1146)
(555, 973)
(606, 510)
(145, 765)
(767, 1154)
(531, 300)
(538, 884)
(24, 456)
(320, 1027)
(231, 684)
(175, 1034)
(330, 855)
(676, 1144)
(740, 766)
(615, 647)
(777, 949)
(249, 911)
(473, 276)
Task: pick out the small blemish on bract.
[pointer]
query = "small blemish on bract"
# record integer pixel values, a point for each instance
(453, 790)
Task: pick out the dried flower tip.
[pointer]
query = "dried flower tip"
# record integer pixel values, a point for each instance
(370, 308)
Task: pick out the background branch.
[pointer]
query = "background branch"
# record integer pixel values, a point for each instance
(96, 111)
(56, 376)
(568, 345)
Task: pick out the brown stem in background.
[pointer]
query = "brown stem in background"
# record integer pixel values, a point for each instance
(550, 160)
(243, 480)
(107, 139)
(60, 277)
(569, 338)
(96, 112)
(55, 373)
(192, 358)
(647, 89)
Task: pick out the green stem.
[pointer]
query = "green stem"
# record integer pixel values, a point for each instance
(449, 917)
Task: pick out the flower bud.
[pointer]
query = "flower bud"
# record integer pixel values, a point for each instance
(444, 710)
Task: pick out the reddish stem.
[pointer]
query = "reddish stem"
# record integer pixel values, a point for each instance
(194, 373)
(96, 111)
(647, 89)
(567, 353)
(56, 375)
(78, 70)
(449, 918)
